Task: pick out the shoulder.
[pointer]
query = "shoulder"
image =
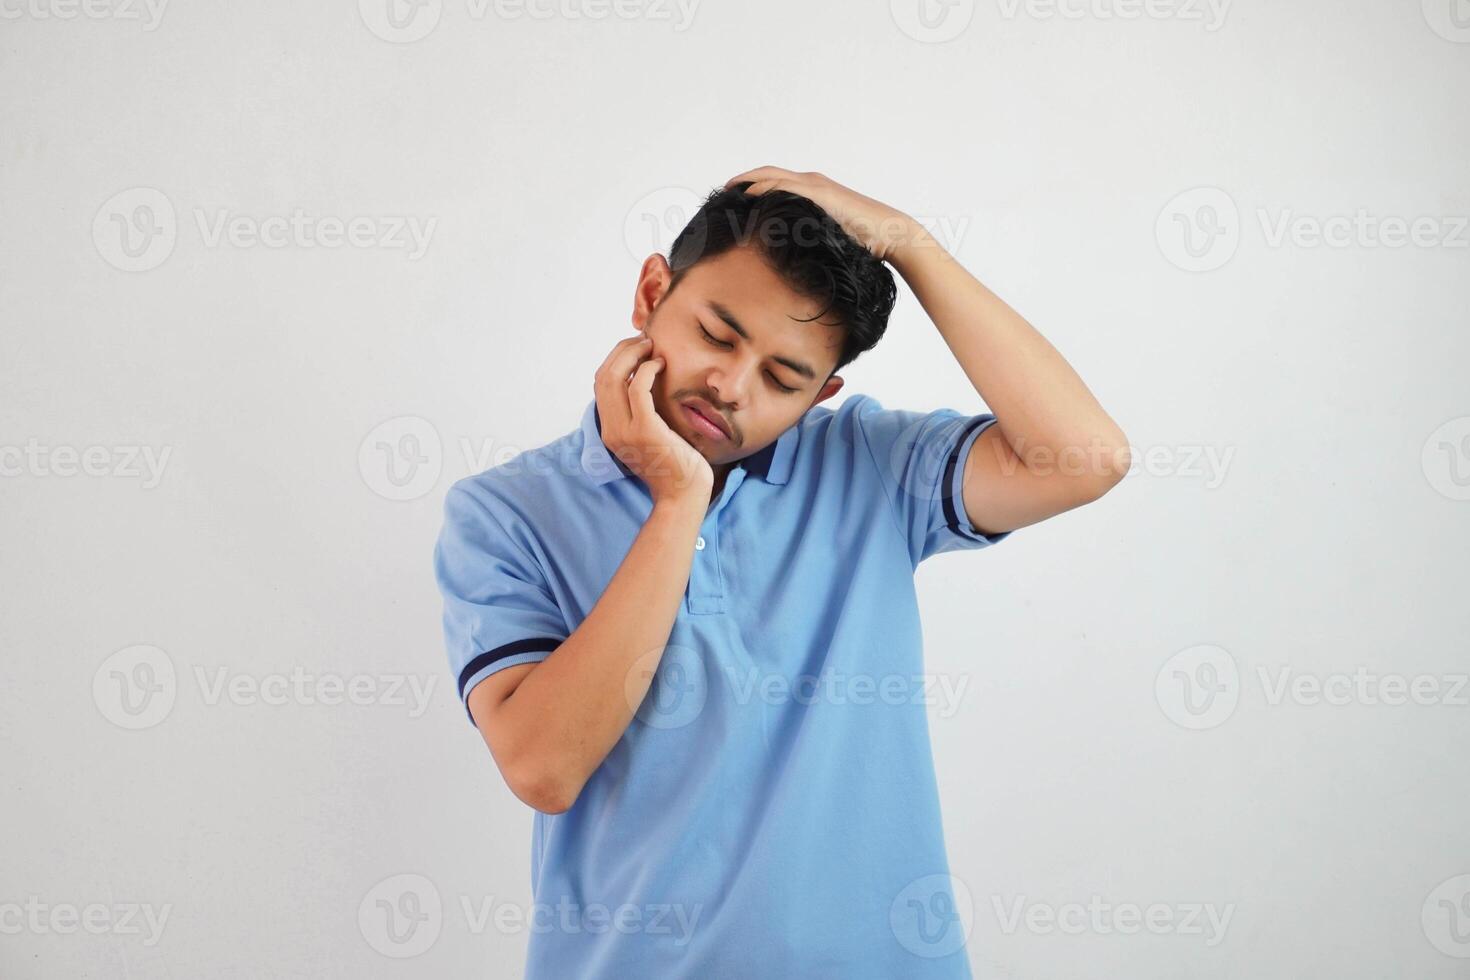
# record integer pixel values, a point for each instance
(515, 488)
(861, 411)
(839, 421)
(854, 426)
(841, 435)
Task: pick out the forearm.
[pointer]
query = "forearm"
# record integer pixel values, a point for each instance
(1042, 406)
(573, 707)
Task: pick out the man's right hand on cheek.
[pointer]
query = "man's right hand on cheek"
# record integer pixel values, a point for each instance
(634, 432)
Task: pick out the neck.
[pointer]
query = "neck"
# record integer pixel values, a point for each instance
(721, 471)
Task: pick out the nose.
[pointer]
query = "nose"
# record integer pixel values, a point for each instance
(730, 383)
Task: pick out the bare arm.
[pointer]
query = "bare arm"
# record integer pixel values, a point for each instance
(1052, 446)
(549, 725)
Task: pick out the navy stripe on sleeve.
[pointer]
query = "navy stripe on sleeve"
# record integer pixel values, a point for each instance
(951, 516)
(533, 645)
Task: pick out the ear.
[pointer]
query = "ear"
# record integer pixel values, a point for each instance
(832, 387)
(653, 284)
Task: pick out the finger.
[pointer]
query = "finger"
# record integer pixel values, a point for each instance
(628, 360)
(761, 186)
(640, 389)
(611, 380)
(640, 398)
(757, 174)
(621, 348)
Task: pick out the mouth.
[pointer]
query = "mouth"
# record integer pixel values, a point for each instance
(710, 425)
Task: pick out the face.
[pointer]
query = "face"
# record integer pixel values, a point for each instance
(729, 337)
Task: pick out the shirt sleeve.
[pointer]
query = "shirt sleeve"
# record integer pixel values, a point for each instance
(498, 607)
(919, 460)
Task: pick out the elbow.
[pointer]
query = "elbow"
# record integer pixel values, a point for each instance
(1116, 460)
(1120, 461)
(538, 776)
(542, 788)
(1112, 465)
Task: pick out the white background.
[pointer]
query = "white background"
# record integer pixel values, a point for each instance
(551, 155)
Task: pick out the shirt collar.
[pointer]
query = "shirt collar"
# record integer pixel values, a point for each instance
(771, 463)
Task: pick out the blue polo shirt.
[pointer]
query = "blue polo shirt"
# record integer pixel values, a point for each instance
(771, 811)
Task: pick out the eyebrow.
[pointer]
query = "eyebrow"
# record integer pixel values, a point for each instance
(799, 367)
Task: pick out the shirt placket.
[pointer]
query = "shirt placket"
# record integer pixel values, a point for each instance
(705, 593)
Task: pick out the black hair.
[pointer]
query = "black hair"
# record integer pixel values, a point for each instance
(806, 247)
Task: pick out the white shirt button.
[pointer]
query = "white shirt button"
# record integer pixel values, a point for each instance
(699, 543)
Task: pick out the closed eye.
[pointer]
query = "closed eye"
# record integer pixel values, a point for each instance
(718, 343)
(726, 345)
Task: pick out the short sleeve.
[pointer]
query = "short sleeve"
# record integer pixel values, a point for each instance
(919, 460)
(498, 608)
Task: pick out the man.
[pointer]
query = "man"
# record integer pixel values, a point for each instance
(688, 631)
